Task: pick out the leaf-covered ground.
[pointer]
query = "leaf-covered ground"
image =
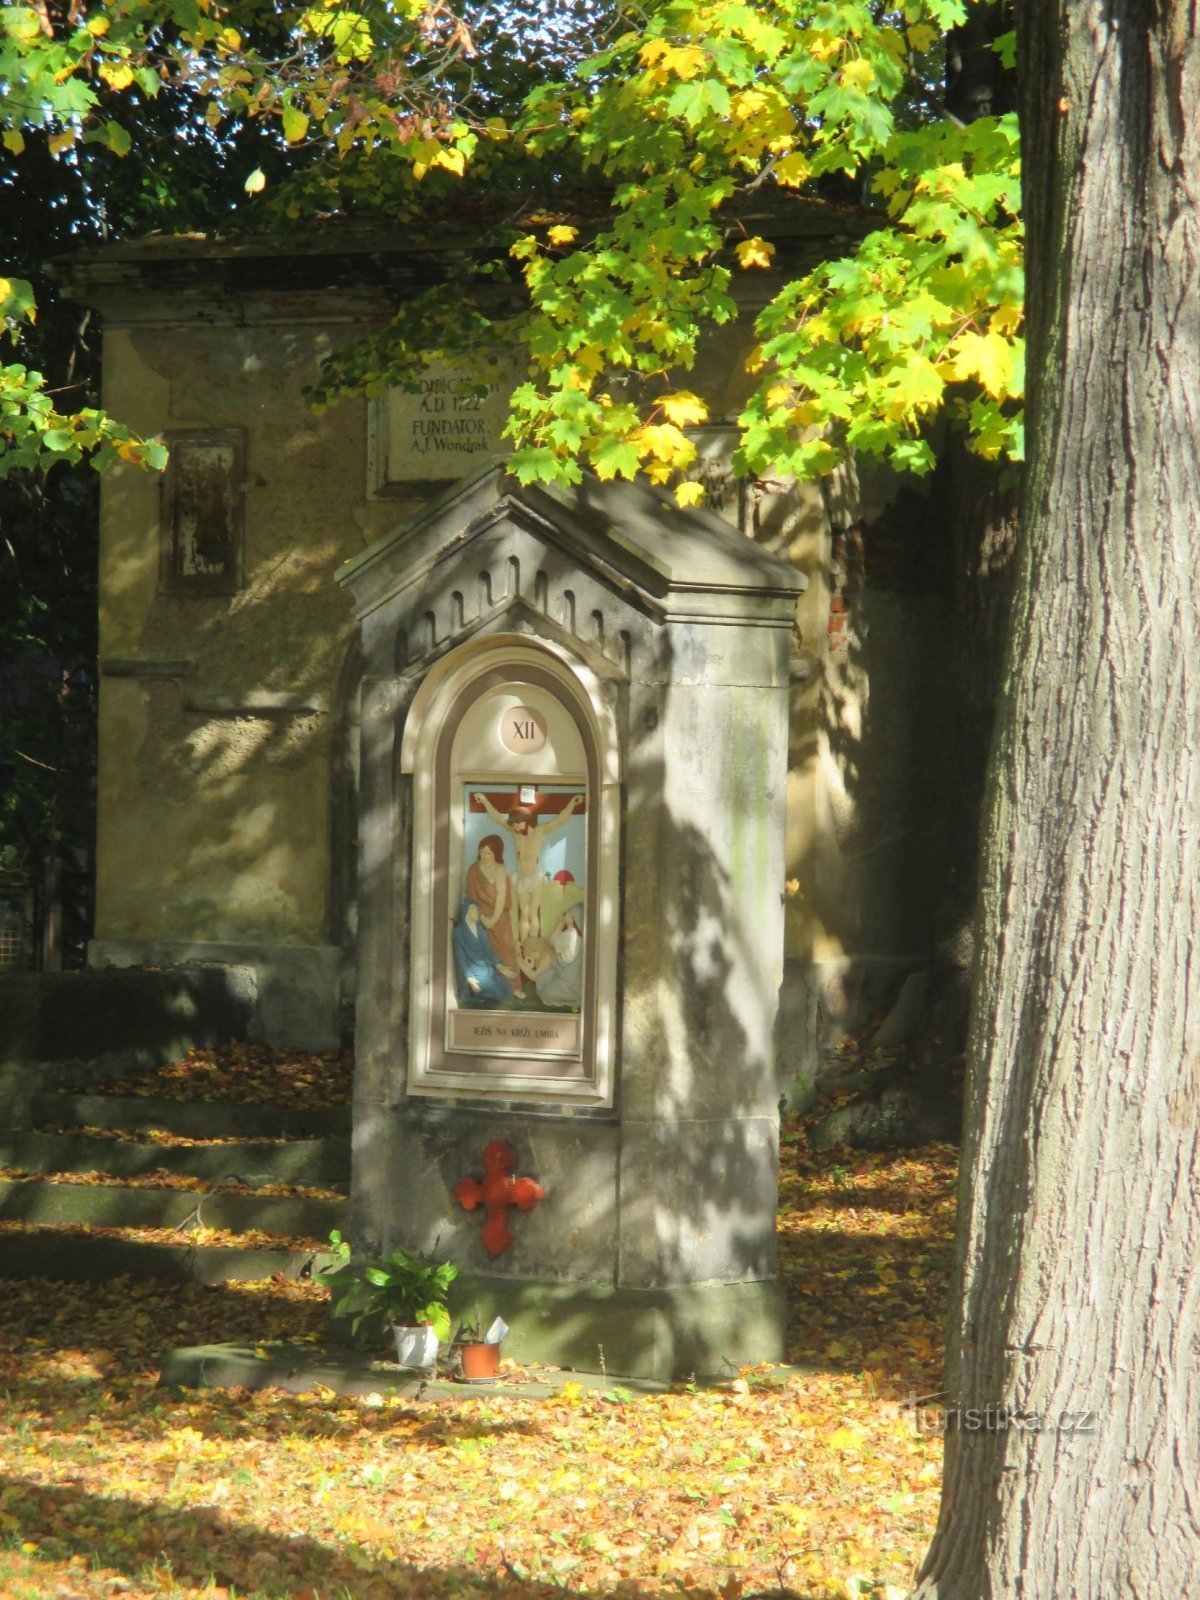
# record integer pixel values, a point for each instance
(160, 1178)
(244, 1074)
(819, 1486)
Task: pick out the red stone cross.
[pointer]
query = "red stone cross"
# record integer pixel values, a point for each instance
(496, 1193)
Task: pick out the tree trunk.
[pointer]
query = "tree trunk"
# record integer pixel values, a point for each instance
(1079, 1229)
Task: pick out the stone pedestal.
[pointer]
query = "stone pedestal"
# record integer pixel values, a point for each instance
(652, 644)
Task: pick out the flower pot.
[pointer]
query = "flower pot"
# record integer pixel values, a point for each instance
(479, 1361)
(416, 1347)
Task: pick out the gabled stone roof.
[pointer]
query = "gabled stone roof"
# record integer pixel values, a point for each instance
(633, 537)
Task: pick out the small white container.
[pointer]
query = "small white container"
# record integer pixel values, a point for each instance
(416, 1347)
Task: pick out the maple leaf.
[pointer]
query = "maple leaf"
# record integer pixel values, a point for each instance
(683, 61)
(858, 74)
(615, 458)
(793, 169)
(683, 408)
(922, 37)
(754, 252)
(987, 356)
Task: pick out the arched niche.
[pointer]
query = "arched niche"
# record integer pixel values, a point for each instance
(512, 749)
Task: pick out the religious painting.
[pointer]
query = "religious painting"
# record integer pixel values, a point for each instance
(515, 880)
(518, 935)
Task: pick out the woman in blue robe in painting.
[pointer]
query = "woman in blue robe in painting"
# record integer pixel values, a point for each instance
(480, 979)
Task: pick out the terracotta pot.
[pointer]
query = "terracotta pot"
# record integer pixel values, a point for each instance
(479, 1361)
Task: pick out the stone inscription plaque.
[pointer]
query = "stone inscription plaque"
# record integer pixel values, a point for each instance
(534, 1035)
(438, 433)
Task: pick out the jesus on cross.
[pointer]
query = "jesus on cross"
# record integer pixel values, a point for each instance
(527, 838)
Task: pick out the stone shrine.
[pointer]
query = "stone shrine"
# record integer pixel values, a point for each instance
(571, 858)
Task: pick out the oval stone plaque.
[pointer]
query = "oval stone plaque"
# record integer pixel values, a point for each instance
(522, 730)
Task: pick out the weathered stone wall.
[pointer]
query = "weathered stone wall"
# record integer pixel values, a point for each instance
(869, 751)
(227, 720)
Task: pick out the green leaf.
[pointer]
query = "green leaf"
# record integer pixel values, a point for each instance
(20, 22)
(615, 458)
(295, 124)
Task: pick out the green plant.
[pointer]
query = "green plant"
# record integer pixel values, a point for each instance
(403, 1288)
(471, 1329)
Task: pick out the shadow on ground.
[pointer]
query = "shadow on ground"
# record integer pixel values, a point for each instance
(197, 1546)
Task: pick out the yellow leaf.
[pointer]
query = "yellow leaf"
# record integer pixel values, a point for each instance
(858, 74)
(666, 445)
(561, 234)
(987, 356)
(689, 494)
(1006, 318)
(747, 104)
(685, 61)
(62, 141)
(793, 169)
(922, 37)
(845, 1439)
(755, 253)
(256, 182)
(453, 160)
(21, 22)
(683, 408)
(14, 142)
(98, 26)
(117, 74)
(295, 124)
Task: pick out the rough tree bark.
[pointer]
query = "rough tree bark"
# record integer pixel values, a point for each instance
(1079, 1231)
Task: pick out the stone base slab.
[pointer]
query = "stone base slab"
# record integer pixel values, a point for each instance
(300, 1368)
(702, 1330)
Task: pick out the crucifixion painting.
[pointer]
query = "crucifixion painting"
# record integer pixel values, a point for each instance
(527, 883)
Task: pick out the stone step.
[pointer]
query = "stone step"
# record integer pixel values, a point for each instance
(36, 1200)
(321, 1163)
(194, 1119)
(65, 1257)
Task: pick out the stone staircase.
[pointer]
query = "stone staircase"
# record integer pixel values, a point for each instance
(174, 1190)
